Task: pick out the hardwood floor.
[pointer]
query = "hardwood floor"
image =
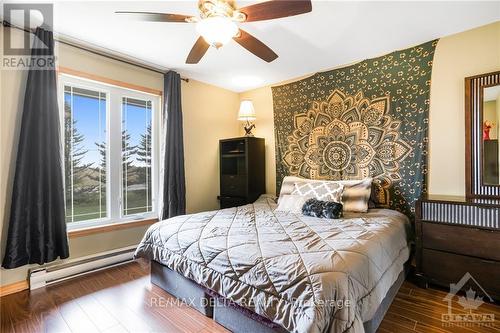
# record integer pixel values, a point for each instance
(121, 299)
(419, 310)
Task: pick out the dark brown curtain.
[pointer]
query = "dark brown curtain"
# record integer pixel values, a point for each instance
(174, 188)
(37, 227)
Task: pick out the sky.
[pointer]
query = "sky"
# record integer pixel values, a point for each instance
(90, 116)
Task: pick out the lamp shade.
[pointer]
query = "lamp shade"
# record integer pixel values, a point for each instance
(247, 112)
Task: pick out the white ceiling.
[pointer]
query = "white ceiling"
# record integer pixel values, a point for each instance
(334, 33)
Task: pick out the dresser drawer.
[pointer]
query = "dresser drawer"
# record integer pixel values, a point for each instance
(461, 240)
(233, 186)
(444, 268)
(228, 202)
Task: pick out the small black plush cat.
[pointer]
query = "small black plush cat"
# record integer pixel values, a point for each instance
(317, 208)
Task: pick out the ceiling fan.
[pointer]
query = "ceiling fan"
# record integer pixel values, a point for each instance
(218, 22)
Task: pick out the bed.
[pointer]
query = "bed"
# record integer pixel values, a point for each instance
(282, 271)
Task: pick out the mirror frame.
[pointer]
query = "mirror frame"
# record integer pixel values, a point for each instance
(474, 85)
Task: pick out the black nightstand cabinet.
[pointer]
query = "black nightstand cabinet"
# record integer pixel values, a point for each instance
(455, 235)
(242, 171)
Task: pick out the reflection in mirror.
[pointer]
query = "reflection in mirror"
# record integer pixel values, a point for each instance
(491, 131)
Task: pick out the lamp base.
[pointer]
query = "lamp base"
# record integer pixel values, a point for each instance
(248, 129)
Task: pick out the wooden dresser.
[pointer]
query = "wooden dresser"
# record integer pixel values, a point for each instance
(456, 235)
(242, 171)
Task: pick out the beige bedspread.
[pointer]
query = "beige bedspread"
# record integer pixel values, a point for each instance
(305, 274)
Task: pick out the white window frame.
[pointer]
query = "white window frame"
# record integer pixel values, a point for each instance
(114, 170)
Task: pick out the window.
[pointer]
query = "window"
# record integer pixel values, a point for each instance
(136, 155)
(110, 152)
(85, 147)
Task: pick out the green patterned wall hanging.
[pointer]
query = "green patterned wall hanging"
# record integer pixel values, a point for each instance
(365, 120)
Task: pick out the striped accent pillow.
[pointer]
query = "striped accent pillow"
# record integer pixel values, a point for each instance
(356, 195)
(354, 198)
(322, 190)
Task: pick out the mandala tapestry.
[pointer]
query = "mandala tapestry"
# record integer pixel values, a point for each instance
(366, 120)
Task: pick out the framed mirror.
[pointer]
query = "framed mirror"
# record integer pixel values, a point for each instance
(482, 117)
(491, 119)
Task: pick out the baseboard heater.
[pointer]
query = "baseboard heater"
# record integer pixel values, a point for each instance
(44, 276)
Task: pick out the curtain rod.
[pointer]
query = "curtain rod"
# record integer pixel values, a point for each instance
(99, 52)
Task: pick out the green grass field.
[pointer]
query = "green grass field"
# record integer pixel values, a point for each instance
(85, 204)
(87, 207)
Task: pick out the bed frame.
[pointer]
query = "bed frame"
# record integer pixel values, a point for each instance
(234, 317)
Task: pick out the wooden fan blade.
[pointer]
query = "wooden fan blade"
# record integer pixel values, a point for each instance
(255, 46)
(156, 17)
(198, 51)
(276, 9)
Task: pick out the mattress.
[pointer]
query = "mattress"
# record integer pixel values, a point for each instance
(305, 274)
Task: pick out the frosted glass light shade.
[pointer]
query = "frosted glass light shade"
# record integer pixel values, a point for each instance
(247, 112)
(217, 30)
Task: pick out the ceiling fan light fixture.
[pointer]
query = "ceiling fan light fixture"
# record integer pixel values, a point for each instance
(217, 30)
(218, 20)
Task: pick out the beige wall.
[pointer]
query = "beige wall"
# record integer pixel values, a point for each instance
(465, 54)
(458, 56)
(264, 128)
(209, 114)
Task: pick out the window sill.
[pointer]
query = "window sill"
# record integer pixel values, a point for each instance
(109, 227)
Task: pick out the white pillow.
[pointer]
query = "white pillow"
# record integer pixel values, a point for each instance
(288, 185)
(291, 203)
(355, 196)
(324, 190)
